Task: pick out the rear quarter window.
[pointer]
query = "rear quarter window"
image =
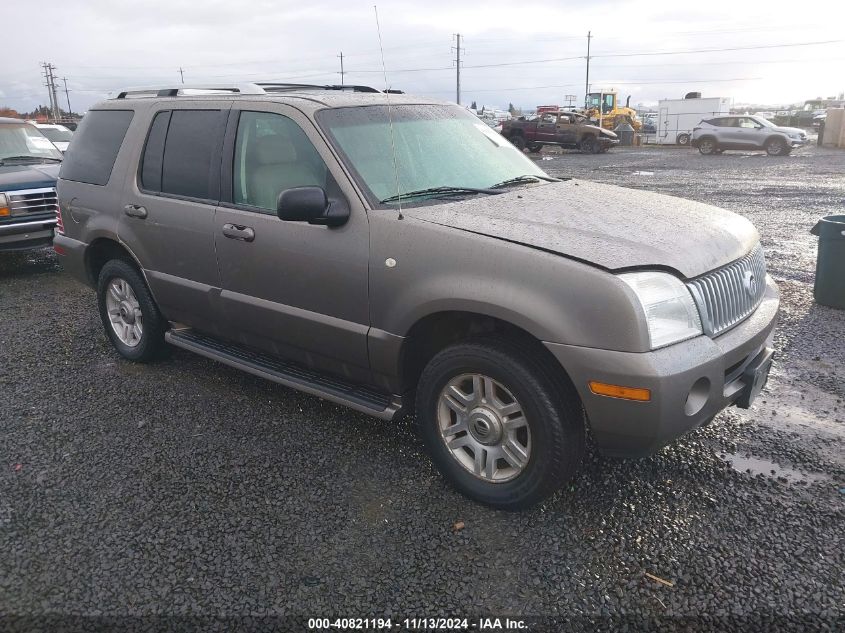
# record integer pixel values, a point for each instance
(95, 146)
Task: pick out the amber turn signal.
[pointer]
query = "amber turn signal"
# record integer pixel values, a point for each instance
(4, 212)
(617, 391)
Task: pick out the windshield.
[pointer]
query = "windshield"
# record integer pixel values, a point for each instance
(21, 141)
(436, 146)
(55, 134)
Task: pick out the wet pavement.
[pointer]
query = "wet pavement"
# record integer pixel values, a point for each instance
(185, 495)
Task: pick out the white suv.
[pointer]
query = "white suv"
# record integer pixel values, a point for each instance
(713, 136)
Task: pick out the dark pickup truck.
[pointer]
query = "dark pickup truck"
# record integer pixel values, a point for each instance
(566, 129)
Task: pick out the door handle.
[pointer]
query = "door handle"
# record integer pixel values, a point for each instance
(135, 211)
(235, 232)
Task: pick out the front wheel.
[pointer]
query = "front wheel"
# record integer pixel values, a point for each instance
(504, 427)
(589, 145)
(777, 147)
(130, 316)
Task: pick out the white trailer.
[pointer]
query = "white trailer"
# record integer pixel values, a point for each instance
(677, 117)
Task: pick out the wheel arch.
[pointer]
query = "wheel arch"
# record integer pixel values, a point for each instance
(103, 249)
(435, 331)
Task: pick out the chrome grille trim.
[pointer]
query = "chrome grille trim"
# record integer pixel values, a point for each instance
(727, 296)
(28, 201)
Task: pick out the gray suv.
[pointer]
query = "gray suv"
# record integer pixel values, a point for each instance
(713, 136)
(393, 253)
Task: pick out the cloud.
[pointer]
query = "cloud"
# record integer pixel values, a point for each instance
(103, 46)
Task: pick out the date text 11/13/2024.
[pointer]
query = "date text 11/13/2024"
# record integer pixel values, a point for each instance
(418, 624)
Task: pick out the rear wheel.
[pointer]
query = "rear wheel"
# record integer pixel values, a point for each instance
(535, 149)
(708, 146)
(130, 316)
(503, 427)
(776, 147)
(683, 139)
(518, 142)
(589, 145)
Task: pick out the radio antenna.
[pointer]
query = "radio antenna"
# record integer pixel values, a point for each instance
(389, 115)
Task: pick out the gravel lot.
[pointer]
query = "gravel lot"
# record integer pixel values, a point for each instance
(186, 495)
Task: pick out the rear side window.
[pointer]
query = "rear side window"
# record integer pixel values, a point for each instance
(192, 139)
(154, 152)
(95, 146)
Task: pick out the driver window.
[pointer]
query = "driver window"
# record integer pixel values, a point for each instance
(272, 154)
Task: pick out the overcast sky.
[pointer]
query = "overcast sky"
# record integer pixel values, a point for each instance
(526, 53)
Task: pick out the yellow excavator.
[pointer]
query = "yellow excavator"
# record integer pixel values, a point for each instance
(603, 108)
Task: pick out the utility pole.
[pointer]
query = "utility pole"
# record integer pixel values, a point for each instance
(57, 114)
(587, 83)
(457, 49)
(182, 74)
(67, 95)
(51, 89)
(46, 73)
(341, 68)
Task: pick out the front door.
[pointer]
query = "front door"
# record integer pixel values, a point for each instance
(290, 288)
(167, 210)
(547, 127)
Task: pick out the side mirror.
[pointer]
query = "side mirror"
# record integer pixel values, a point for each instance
(312, 205)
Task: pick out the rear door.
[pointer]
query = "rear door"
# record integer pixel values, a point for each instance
(291, 288)
(167, 217)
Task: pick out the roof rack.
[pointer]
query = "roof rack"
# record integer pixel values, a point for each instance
(240, 89)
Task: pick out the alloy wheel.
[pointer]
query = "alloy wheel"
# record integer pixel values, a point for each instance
(125, 316)
(484, 427)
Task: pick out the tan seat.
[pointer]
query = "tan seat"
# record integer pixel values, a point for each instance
(274, 165)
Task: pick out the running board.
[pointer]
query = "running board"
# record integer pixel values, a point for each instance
(328, 386)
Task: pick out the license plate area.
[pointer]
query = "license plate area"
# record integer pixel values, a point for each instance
(755, 377)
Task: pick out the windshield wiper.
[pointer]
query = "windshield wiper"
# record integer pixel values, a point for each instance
(38, 158)
(523, 179)
(443, 191)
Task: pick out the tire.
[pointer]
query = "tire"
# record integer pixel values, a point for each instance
(535, 149)
(121, 287)
(553, 434)
(589, 145)
(683, 139)
(518, 142)
(777, 147)
(708, 146)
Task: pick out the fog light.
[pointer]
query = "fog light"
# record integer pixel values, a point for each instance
(617, 391)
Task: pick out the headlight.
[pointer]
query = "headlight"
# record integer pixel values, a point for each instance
(796, 135)
(670, 312)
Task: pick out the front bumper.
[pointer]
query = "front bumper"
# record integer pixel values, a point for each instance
(797, 142)
(690, 382)
(23, 235)
(608, 142)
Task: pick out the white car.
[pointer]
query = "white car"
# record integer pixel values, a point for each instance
(59, 135)
(713, 136)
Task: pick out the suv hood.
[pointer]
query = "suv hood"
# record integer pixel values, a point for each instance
(791, 130)
(608, 226)
(13, 177)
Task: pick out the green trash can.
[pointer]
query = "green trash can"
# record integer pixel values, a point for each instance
(830, 263)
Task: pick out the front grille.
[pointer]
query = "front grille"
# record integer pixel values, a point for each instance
(727, 296)
(31, 201)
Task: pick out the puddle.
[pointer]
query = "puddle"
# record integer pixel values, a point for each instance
(757, 466)
(642, 173)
